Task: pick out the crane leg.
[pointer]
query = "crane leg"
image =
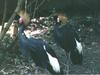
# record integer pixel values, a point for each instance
(67, 66)
(37, 70)
(46, 72)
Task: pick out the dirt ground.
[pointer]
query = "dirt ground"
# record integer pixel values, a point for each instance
(13, 64)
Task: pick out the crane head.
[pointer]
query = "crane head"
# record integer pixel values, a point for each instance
(24, 17)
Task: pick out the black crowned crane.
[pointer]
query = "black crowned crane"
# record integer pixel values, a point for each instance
(38, 50)
(68, 39)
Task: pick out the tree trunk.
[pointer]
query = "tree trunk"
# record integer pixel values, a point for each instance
(20, 2)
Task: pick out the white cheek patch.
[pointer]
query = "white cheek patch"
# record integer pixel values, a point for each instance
(79, 46)
(58, 20)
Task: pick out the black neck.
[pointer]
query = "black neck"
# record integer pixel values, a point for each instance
(56, 25)
(21, 33)
(21, 28)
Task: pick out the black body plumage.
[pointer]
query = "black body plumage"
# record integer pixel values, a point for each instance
(68, 39)
(38, 50)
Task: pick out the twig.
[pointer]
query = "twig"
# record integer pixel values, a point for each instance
(40, 4)
(25, 5)
(4, 14)
(29, 5)
(4, 71)
(20, 2)
(35, 8)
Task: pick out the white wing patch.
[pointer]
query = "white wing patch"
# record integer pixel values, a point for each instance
(53, 61)
(27, 34)
(79, 46)
(44, 47)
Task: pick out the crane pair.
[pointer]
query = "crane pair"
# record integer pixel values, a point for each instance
(43, 55)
